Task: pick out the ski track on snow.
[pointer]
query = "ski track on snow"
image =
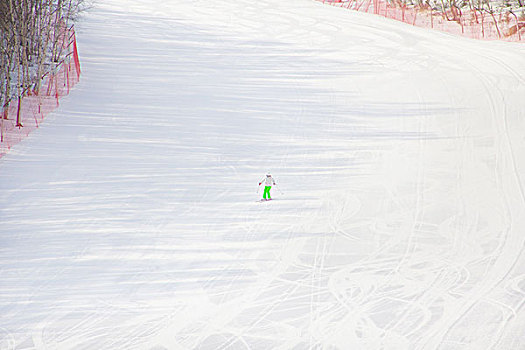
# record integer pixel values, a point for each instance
(128, 220)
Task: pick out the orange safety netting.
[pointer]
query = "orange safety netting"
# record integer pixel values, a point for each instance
(24, 113)
(477, 24)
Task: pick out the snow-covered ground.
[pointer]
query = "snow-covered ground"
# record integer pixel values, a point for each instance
(129, 219)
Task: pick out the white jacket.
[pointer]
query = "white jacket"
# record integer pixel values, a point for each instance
(268, 180)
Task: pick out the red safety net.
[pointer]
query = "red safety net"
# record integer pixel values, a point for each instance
(24, 113)
(477, 24)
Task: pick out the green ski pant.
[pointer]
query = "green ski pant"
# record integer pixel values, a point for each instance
(266, 194)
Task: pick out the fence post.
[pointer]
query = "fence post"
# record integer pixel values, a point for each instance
(5, 111)
(75, 56)
(67, 73)
(18, 121)
(56, 88)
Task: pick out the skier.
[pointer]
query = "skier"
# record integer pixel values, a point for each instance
(268, 182)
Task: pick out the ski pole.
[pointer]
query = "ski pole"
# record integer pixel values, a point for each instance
(279, 189)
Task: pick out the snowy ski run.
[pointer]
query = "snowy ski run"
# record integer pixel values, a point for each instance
(128, 219)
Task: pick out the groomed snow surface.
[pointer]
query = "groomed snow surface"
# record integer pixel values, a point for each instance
(129, 219)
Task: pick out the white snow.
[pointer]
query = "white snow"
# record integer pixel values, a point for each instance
(129, 220)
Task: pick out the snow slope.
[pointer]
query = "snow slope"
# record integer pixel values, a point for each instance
(129, 218)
